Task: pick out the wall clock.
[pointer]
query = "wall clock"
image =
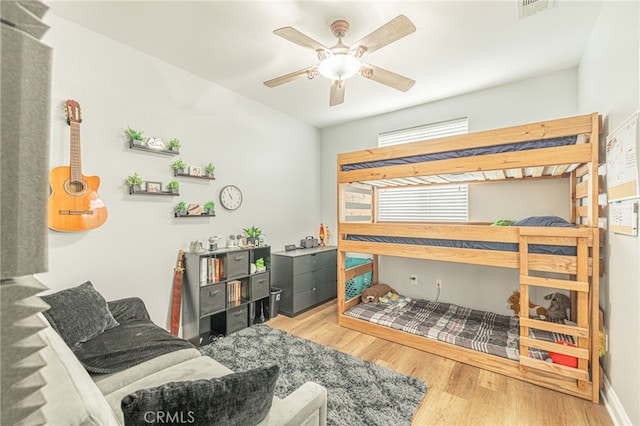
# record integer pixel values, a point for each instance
(230, 197)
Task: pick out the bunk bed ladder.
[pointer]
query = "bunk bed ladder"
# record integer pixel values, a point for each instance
(579, 283)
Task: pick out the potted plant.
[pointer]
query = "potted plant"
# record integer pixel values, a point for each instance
(260, 266)
(209, 207)
(180, 209)
(135, 136)
(174, 144)
(135, 182)
(209, 169)
(179, 166)
(173, 186)
(253, 235)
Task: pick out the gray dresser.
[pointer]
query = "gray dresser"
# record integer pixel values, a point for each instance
(307, 277)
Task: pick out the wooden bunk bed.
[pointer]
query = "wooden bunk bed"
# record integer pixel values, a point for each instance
(512, 154)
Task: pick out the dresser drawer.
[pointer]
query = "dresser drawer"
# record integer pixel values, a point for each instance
(237, 318)
(306, 299)
(212, 299)
(237, 264)
(260, 286)
(311, 262)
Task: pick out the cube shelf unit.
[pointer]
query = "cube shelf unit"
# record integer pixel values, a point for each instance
(221, 295)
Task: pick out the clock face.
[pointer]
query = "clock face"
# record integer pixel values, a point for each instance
(230, 197)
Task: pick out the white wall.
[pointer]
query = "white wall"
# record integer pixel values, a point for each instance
(270, 156)
(541, 98)
(608, 82)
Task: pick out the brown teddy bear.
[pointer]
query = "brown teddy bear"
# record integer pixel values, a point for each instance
(373, 293)
(514, 304)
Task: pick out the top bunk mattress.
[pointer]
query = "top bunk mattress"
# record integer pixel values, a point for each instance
(469, 152)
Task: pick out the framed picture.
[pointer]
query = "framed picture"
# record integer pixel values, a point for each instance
(195, 171)
(154, 186)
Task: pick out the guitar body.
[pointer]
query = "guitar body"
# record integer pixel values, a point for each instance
(74, 206)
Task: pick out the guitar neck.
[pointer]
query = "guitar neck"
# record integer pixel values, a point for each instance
(75, 153)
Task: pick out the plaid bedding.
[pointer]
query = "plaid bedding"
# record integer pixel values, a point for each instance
(481, 331)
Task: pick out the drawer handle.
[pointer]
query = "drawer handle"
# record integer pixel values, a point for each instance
(214, 292)
(238, 258)
(261, 281)
(313, 289)
(237, 314)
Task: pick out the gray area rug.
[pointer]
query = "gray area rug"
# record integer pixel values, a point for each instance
(359, 392)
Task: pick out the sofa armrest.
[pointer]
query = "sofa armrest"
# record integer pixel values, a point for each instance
(306, 406)
(129, 309)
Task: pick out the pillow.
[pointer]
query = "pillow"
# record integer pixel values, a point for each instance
(553, 221)
(78, 314)
(236, 399)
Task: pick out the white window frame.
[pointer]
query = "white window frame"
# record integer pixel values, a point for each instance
(424, 203)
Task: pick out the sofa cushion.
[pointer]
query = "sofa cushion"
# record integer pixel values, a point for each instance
(243, 398)
(78, 314)
(202, 367)
(108, 383)
(72, 397)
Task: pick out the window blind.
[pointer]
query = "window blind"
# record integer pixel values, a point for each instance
(430, 131)
(437, 203)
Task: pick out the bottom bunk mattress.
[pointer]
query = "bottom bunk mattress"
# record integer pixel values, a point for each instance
(480, 331)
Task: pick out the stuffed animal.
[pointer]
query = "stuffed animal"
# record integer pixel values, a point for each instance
(374, 292)
(558, 307)
(514, 304)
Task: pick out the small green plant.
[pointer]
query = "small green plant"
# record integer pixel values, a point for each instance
(174, 144)
(135, 180)
(180, 208)
(209, 206)
(253, 232)
(260, 263)
(209, 169)
(134, 135)
(173, 185)
(179, 164)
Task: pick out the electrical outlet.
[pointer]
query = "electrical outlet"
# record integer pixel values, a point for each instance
(439, 283)
(414, 279)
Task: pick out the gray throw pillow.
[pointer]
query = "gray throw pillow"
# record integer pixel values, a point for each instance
(553, 221)
(241, 399)
(78, 314)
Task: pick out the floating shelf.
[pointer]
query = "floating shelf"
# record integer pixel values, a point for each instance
(165, 193)
(137, 147)
(176, 215)
(175, 173)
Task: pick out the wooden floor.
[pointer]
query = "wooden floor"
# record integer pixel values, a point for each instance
(458, 394)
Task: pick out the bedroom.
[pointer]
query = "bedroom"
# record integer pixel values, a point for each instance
(118, 86)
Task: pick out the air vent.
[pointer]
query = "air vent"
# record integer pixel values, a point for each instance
(529, 7)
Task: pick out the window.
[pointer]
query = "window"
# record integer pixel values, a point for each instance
(435, 203)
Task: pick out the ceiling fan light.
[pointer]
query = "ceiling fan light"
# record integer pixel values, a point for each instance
(340, 66)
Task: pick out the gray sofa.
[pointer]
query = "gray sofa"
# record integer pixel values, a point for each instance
(75, 397)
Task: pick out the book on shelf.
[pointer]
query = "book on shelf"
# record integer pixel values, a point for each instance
(211, 270)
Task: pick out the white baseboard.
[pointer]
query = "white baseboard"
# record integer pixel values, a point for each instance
(613, 405)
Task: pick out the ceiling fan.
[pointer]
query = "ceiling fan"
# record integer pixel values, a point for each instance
(340, 62)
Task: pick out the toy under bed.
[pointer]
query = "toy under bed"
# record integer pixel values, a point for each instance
(481, 331)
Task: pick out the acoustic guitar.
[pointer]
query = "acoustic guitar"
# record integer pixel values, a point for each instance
(74, 204)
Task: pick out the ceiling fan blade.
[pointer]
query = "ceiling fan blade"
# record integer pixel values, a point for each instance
(310, 72)
(393, 30)
(299, 38)
(386, 77)
(337, 93)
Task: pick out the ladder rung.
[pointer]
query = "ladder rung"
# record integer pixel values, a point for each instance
(558, 369)
(555, 283)
(553, 327)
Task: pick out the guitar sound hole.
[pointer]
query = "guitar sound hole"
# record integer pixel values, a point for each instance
(75, 187)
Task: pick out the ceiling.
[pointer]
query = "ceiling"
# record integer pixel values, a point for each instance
(458, 47)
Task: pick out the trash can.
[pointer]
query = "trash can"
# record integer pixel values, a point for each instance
(274, 302)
